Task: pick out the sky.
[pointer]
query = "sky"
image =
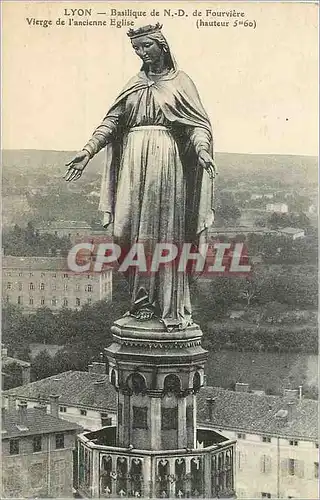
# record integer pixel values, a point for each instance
(259, 86)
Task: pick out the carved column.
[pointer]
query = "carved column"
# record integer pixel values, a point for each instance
(155, 423)
(182, 421)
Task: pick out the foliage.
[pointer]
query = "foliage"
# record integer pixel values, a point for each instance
(28, 242)
(11, 376)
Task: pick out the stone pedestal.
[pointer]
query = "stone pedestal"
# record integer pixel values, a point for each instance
(156, 374)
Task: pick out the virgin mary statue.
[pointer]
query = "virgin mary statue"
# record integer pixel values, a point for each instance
(157, 183)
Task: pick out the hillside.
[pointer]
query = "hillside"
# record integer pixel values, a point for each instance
(291, 170)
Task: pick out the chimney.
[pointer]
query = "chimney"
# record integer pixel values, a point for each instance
(97, 367)
(240, 387)
(25, 375)
(290, 408)
(99, 388)
(210, 407)
(291, 394)
(22, 411)
(11, 402)
(54, 406)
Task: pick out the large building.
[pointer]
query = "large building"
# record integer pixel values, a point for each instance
(277, 440)
(292, 233)
(85, 398)
(281, 208)
(65, 229)
(33, 282)
(37, 453)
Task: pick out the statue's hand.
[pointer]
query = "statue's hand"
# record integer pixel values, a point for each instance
(206, 162)
(77, 166)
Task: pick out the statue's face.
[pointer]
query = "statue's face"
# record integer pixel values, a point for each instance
(147, 49)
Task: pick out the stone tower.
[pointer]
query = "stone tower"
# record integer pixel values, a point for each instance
(156, 450)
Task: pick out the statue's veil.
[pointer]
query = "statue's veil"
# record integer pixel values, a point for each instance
(161, 40)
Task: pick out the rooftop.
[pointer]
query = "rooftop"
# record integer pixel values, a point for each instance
(290, 230)
(75, 389)
(256, 414)
(33, 421)
(34, 263)
(238, 411)
(64, 224)
(7, 360)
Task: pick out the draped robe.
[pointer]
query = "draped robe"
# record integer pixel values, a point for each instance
(152, 184)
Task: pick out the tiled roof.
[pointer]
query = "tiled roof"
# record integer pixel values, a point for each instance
(64, 224)
(256, 414)
(238, 411)
(7, 360)
(75, 388)
(32, 422)
(290, 230)
(34, 263)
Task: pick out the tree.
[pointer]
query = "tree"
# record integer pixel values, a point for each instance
(42, 366)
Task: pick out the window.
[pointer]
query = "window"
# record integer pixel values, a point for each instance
(83, 412)
(54, 275)
(54, 301)
(77, 288)
(105, 420)
(7, 298)
(89, 301)
(59, 441)
(14, 446)
(37, 444)
(140, 417)
(19, 300)
(42, 301)
(65, 275)
(63, 409)
(30, 274)
(41, 286)
(265, 495)
(240, 435)
(241, 460)
(8, 273)
(265, 464)
(20, 274)
(266, 439)
(31, 286)
(66, 286)
(30, 301)
(77, 301)
(65, 302)
(293, 442)
(9, 286)
(295, 467)
(169, 418)
(316, 470)
(316, 445)
(20, 286)
(88, 288)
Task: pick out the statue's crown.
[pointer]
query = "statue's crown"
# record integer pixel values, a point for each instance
(144, 30)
